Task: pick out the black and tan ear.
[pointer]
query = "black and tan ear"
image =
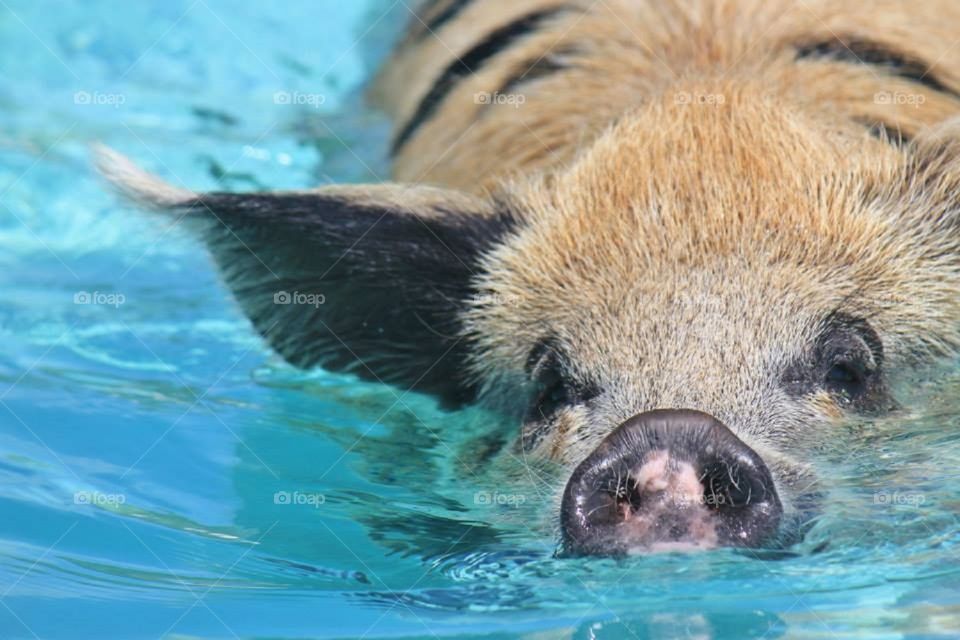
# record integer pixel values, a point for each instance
(365, 279)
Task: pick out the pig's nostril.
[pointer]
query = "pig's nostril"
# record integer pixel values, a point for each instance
(667, 480)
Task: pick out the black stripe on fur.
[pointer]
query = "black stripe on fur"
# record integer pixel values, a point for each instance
(472, 60)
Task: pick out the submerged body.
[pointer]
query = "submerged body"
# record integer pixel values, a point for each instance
(681, 242)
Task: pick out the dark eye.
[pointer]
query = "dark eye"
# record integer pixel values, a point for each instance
(554, 394)
(846, 360)
(848, 377)
(556, 386)
(851, 354)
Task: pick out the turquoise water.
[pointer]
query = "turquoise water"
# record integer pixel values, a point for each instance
(162, 475)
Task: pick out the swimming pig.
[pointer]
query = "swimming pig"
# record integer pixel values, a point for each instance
(682, 242)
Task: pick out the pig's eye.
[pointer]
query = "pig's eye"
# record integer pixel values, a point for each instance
(554, 394)
(846, 360)
(851, 354)
(555, 387)
(848, 376)
(557, 391)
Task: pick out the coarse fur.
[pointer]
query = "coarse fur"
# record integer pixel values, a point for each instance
(743, 207)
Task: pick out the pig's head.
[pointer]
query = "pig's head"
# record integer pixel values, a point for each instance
(699, 305)
(680, 319)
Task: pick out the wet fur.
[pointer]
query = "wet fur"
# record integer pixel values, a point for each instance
(689, 194)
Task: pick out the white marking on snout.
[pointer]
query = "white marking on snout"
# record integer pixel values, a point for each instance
(670, 491)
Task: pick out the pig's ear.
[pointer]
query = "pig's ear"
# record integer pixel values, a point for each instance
(369, 279)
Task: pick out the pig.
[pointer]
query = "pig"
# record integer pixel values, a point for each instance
(679, 244)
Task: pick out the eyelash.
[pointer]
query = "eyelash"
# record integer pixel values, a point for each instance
(846, 362)
(853, 361)
(554, 394)
(557, 391)
(847, 377)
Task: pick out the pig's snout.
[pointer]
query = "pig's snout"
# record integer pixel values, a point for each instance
(666, 480)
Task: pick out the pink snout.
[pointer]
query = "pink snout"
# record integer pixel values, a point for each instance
(669, 480)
